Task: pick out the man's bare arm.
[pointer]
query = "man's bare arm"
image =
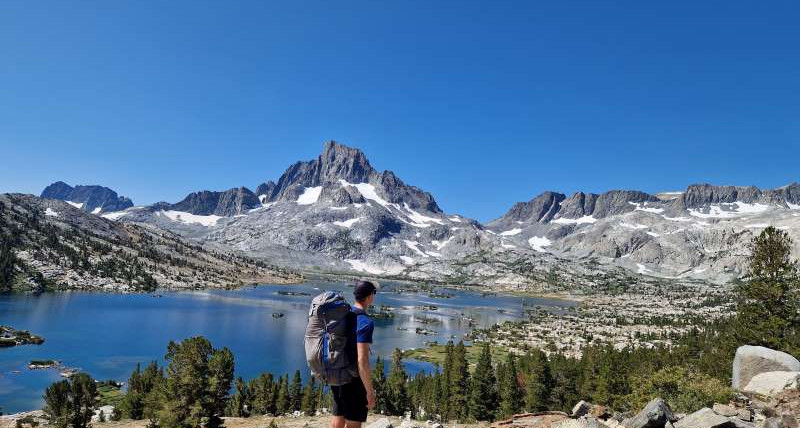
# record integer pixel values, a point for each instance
(365, 373)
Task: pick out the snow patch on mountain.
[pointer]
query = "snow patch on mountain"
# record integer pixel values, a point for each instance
(348, 223)
(439, 245)
(77, 205)
(419, 219)
(641, 207)
(362, 266)
(512, 232)
(413, 246)
(732, 210)
(310, 195)
(367, 191)
(587, 219)
(539, 242)
(50, 212)
(189, 218)
(407, 260)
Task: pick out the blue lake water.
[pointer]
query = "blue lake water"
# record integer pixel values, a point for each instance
(106, 334)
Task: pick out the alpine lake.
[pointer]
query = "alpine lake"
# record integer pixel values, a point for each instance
(107, 334)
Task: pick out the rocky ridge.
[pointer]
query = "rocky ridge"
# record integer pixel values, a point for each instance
(93, 199)
(59, 246)
(336, 213)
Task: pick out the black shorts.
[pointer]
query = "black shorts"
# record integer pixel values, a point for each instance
(350, 401)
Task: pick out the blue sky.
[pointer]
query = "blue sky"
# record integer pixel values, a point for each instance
(481, 103)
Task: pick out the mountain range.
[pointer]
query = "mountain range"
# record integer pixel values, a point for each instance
(337, 213)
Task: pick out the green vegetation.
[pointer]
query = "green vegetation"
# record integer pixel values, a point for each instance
(436, 354)
(683, 389)
(109, 393)
(768, 301)
(474, 382)
(71, 402)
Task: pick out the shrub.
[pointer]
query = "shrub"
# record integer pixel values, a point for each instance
(684, 390)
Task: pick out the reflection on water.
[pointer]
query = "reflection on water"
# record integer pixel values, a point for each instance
(107, 334)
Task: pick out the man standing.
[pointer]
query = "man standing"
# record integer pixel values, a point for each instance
(352, 401)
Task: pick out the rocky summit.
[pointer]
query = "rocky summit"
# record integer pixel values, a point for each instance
(337, 213)
(93, 199)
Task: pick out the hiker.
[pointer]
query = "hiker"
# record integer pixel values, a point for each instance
(352, 400)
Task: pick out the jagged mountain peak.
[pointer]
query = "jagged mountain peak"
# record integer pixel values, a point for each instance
(230, 202)
(90, 198)
(334, 171)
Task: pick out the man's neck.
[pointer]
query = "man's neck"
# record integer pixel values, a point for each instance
(361, 306)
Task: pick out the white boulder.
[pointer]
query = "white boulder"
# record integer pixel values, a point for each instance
(705, 418)
(771, 383)
(752, 360)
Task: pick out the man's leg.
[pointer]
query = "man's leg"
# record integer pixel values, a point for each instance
(337, 422)
(352, 424)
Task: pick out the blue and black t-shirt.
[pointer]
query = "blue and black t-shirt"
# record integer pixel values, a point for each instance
(359, 327)
(364, 326)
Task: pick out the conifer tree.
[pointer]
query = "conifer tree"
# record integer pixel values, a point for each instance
(483, 388)
(262, 400)
(459, 383)
(237, 405)
(296, 392)
(445, 382)
(308, 404)
(768, 304)
(510, 394)
(564, 393)
(379, 385)
(282, 404)
(397, 401)
(220, 378)
(538, 382)
(71, 402)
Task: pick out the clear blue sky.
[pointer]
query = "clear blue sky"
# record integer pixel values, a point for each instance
(481, 103)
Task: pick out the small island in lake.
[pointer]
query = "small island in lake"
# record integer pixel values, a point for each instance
(43, 364)
(293, 293)
(12, 337)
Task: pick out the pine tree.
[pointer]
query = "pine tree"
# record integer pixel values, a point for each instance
(282, 404)
(379, 385)
(564, 393)
(768, 304)
(308, 404)
(459, 383)
(262, 399)
(296, 392)
(538, 382)
(237, 405)
(220, 379)
(483, 388)
(71, 402)
(397, 401)
(197, 384)
(444, 394)
(508, 386)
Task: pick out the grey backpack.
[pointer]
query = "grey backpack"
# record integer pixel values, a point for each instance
(326, 339)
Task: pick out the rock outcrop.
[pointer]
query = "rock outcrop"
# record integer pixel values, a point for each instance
(93, 199)
(656, 414)
(771, 383)
(752, 360)
(228, 203)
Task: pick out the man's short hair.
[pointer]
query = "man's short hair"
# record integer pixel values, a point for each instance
(364, 289)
